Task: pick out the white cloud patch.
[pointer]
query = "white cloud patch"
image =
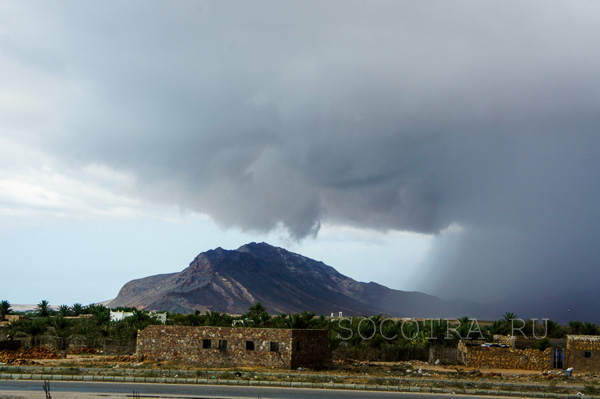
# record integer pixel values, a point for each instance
(46, 193)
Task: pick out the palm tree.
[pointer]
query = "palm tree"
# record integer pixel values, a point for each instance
(215, 319)
(256, 309)
(497, 327)
(590, 329)
(508, 317)
(279, 321)
(4, 309)
(100, 317)
(77, 309)
(575, 327)
(258, 314)
(139, 316)
(101, 314)
(509, 321)
(32, 328)
(64, 310)
(437, 331)
(554, 330)
(139, 320)
(300, 321)
(295, 321)
(62, 330)
(43, 309)
(463, 327)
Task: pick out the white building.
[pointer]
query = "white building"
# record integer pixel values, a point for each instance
(118, 316)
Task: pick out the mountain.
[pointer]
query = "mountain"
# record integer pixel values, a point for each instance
(232, 280)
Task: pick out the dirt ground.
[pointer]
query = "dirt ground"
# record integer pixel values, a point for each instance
(349, 368)
(351, 372)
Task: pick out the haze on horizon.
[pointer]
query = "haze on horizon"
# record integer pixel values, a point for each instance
(446, 147)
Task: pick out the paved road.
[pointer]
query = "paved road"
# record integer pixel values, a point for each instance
(63, 390)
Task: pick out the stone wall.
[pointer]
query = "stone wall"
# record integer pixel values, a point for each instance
(520, 342)
(583, 352)
(311, 348)
(230, 347)
(506, 358)
(505, 340)
(516, 341)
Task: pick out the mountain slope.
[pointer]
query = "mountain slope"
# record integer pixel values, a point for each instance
(285, 282)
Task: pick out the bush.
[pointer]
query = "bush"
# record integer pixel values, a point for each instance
(543, 344)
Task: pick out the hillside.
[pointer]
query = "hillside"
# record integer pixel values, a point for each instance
(285, 282)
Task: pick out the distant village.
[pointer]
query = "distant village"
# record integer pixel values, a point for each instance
(292, 341)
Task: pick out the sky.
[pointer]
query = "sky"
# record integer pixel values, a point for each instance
(444, 147)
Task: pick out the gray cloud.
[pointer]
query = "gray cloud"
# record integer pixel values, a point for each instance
(406, 116)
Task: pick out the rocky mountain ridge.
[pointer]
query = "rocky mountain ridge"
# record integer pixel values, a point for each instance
(285, 282)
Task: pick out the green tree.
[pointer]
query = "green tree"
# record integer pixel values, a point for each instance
(551, 329)
(256, 309)
(497, 327)
(508, 317)
(468, 329)
(123, 329)
(193, 319)
(300, 320)
(140, 320)
(61, 326)
(511, 320)
(64, 310)
(129, 326)
(33, 329)
(100, 317)
(437, 331)
(216, 319)
(279, 321)
(87, 329)
(543, 344)
(590, 329)
(5, 309)
(575, 327)
(257, 315)
(43, 309)
(77, 309)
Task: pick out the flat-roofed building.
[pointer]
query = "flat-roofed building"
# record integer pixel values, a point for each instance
(231, 347)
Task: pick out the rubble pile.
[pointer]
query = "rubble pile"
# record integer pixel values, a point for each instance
(84, 351)
(22, 357)
(38, 352)
(7, 357)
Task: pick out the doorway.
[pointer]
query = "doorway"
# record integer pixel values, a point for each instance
(558, 359)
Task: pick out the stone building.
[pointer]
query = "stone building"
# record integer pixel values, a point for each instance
(583, 352)
(231, 347)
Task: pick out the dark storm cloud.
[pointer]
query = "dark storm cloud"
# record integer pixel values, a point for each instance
(388, 115)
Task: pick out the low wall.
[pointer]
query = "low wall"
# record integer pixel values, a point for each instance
(506, 358)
